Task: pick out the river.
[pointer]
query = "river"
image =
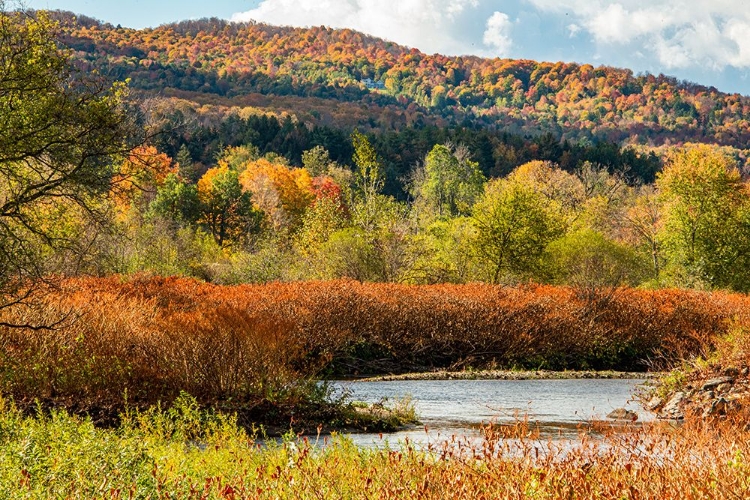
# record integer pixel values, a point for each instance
(457, 407)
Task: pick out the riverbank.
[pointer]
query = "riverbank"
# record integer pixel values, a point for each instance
(710, 387)
(513, 375)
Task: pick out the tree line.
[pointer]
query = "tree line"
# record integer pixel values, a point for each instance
(198, 135)
(255, 218)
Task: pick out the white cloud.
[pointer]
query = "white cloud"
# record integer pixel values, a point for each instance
(573, 29)
(738, 31)
(497, 33)
(457, 7)
(442, 26)
(679, 34)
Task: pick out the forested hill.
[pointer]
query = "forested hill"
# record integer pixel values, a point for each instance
(345, 78)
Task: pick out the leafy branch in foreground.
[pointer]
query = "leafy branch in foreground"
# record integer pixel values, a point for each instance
(60, 132)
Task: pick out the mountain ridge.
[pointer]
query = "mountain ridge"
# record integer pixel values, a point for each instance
(570, 100)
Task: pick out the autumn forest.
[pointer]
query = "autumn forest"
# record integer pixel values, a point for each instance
(454, 170)
(203, 222)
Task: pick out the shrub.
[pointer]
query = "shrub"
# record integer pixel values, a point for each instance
(253, 345)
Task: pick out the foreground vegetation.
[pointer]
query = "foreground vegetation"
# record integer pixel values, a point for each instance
(186, 453)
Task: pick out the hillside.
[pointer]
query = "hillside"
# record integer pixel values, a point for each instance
(347, 79)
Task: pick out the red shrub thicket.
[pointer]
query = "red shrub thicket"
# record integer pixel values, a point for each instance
(154, 337)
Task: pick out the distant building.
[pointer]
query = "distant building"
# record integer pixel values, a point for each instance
(372, 84)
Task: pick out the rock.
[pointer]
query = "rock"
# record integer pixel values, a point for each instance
(732, 371)
(723, 387)
(718, 407)
(654, 403)
(745, 372)
(623, 414)
(672, 409)
(715, 382)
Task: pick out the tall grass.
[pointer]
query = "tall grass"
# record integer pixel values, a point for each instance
(186, 453)
(259, 347)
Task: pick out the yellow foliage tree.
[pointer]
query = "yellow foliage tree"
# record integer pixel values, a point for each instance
(225, 209)
(141, 174)
(281, 192)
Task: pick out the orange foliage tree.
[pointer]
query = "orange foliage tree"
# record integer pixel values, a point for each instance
(141, 174)
(281, 192)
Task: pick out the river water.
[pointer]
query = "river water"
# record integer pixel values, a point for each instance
(449, 408)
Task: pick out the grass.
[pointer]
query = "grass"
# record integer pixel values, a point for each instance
(671, 382)
(189, 453)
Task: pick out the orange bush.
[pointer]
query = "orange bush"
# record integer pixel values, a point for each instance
(239, 345)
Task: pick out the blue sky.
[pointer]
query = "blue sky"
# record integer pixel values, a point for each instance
(144, 13)
(705, 41)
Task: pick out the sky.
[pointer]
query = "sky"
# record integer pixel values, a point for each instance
(704, 41)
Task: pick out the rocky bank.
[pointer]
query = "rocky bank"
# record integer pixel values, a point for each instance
(706, 394)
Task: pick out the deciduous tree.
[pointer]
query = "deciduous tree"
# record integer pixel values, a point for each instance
(449, 181)
(225, 209)
(60, 135)
(282, 192)
(707, 218)
(515, 223)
